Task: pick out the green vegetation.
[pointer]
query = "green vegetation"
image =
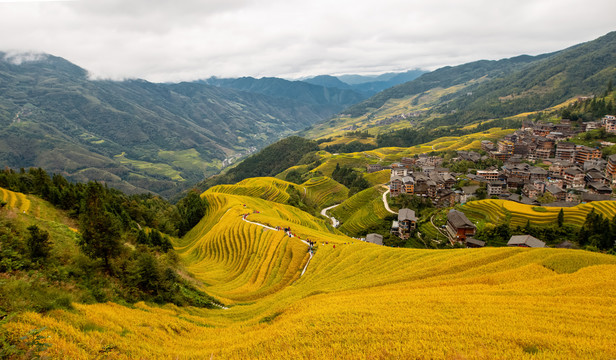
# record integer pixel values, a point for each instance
(191, 210)
(270, 161)
(361, 212)
(48, 265)
(138, 136)
(350, 178)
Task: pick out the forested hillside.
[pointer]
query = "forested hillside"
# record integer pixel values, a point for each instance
(133, 135)
(332, 98)
(482, 90)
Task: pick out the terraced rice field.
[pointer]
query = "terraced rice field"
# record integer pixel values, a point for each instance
(324, 191)
(318, 191)
(299, 168)
(378, 177)
(267, 188)
(495, 211)
(356, 300)
(354, 160)
(465, 142)
(361, 211)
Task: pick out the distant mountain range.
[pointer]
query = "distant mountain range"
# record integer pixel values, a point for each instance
(140, 136)
(366, 85)
(329, 97)
(483, 90)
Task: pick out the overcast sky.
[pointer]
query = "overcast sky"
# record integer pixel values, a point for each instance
(177, 40)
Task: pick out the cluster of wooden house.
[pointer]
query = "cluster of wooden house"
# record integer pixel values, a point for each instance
(432, 180)
(570, 173)
(461, 230)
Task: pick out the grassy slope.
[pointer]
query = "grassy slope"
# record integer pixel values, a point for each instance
(487, 303)
(362, 210)
(413, 103)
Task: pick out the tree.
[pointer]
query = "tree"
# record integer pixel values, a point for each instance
(481, 193)
(192, 210)
(100, 229)
(38, 243)
(142, 238)
(546, 198)
(561, 218)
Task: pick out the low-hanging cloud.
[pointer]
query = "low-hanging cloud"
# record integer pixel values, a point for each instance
(187, 40)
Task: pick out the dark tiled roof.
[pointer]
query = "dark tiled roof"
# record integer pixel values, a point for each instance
(406, 214)
(458, 219)
(473, 241)
(528, 240)
(375, 239)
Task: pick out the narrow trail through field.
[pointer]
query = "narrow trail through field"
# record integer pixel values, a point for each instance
(271, 228)
(386, 204)
(335, 222)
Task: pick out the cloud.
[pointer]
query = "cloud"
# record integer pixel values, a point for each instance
(191, 39)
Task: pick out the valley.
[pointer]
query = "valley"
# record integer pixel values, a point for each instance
(462, 213)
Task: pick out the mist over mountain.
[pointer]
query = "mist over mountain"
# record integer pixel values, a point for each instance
(136, 135)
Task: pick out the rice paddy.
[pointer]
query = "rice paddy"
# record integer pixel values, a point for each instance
(496, 211)
(356, 300)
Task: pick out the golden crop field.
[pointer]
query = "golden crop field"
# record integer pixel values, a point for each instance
(355, 301)
(352, 160)
(495, 211)
(266, 188)
(464, 142)
(318, 191)
(378, 177)
(15, 200)
(324, 191)
(361, 211)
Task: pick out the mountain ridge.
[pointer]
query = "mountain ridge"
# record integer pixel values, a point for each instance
(135, 135)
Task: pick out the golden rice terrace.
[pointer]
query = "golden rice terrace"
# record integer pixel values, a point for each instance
(354, 301)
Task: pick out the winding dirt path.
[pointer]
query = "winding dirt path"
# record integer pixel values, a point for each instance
(335, 222)
(386, 204)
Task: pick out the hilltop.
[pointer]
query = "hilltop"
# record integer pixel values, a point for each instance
(482, 90)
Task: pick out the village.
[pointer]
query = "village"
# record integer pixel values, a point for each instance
(536, 165)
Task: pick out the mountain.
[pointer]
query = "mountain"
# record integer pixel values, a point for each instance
(485, 89)
(368, 85)
(584, 69)
(328, 81)
(135, 135)
(329, 97)
(444, 78)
